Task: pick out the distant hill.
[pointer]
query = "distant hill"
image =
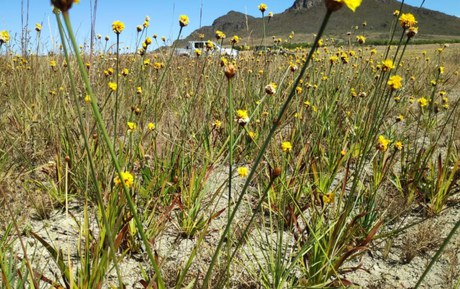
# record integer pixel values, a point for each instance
(303, 17)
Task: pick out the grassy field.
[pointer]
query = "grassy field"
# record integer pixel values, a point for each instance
(276, 170)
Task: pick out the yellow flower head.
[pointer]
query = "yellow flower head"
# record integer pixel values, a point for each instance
(262, 7)
(127, 178)
(132, 126)
(387, 65)
(217, 124)
(395, 82)
(361, 39)
(328, 198)
(382, 143)
(242, 116)
(407, 20)
(252, 135)
(235, 39)
(112, 86)
(38, 27)
(243, 172)
(209, 45)
(118, 26)
(220, 35)
(398, 145)
(271, 88)
(422, 102)
(150, 126)
(183, 20)
(286, 146)
(334, 5)
(4, 37)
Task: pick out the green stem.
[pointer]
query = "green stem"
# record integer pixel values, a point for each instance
(115, 121)
(105, 135)
(230, 165)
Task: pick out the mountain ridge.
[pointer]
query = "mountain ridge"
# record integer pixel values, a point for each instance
(303, 18)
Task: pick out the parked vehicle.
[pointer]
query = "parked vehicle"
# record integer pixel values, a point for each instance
(192, 46)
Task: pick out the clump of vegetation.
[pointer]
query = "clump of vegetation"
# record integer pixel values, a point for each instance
(304, 144)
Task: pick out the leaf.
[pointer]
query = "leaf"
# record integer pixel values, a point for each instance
(57, 257)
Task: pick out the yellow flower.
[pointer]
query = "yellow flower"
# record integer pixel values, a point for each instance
(243, 172)
(422, 102)
(139, 90)
(132, 126)
(334, 5)
(217, 124)
(235, 39)
(118, 26)
(328, 198)
(407, 20)
(87, 99)
(398, 145)
(198, 52)
(361, 39)
(220, 35)
(395, 82)
(286, 146)
(382, 143)
(400, 118)
(441, 69)
(183, 20)
(127, 178)
(4, 37)
(38, 27)
(271, 88)
(242, 117)
(113, 86)
(387, 65)
(252, 135)
(262, 7)
(209, 45)
(125, 72)
(52, 63)
(150, 126)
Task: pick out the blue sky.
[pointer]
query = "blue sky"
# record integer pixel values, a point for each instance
(163, 15)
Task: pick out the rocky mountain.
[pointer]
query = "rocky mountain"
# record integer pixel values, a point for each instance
(303, 18)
